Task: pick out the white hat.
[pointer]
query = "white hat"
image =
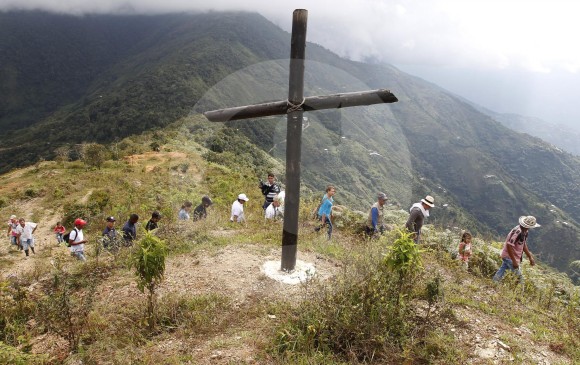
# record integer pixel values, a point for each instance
(429, 201)
(12, 216)
(528, 221)
(243, 197)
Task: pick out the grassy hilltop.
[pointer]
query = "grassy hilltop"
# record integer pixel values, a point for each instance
(373, 302)
(69, 80)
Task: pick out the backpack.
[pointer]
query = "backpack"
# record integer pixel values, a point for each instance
(66, 237)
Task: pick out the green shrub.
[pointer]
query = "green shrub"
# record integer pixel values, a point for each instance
(98, 200)
(16, 308)
(65, 310)
(363, 315)
(13, 356)
(404, 260)
(31, 193)
(73, 211)
(149, 263)
(484, 262)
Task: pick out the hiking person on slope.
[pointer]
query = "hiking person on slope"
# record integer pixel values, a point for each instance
(516, 243)
(269, 189)
(419, 211)
(375, 224)
(77, 240)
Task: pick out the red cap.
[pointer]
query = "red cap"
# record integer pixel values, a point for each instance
(79, 222)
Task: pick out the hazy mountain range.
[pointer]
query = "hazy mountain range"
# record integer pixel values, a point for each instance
(67, 80)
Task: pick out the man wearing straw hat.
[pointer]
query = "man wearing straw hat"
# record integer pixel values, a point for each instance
(419, 211)
(514, 247)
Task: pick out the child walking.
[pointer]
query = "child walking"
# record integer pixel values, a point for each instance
(59, 230)
(465, 249)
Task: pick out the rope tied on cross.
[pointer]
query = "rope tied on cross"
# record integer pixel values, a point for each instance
(294, 107)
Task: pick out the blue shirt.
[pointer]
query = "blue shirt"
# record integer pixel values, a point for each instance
(326, 206)
(129, 231)
(110, 232)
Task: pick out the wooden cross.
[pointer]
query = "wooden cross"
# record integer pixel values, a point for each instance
(294, 108)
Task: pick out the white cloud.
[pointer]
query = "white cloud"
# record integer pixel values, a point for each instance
(533, 34)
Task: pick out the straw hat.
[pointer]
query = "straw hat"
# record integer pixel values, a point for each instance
(429, 201)
(528, 221)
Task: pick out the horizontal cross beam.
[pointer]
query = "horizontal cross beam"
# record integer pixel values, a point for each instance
(321, 102)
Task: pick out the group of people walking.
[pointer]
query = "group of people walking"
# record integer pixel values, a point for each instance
(514, 247)
(21, 232)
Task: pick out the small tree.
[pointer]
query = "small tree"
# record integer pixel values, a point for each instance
(95, 154)
(404, 259)
(149, 263)
(62, 154)
(65, 310)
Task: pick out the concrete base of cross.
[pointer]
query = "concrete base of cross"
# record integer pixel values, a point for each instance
(303, 271)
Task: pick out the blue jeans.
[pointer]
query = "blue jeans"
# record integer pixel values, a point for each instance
(329, 224)
(26, 244)
(59, 238)
(507, 264)
(79, 255)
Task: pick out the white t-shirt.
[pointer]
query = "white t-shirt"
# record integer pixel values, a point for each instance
(76, 238)
(237, 210)
(14, 228)
(273, 212)
(26, 231)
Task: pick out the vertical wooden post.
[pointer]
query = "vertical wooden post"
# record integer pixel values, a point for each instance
(294, 140)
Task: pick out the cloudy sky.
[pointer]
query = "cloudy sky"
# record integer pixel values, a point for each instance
(511, 55)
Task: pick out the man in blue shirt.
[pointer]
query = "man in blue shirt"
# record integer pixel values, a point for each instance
(109, 233)
(130, 230)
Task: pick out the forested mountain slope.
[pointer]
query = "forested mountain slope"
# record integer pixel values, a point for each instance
(68, 80)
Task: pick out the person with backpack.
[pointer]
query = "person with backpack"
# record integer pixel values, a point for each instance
(269, 189)
(59, 231)
(25, 235)
(152, 223)
(200, 212)
(375, 224)
(325, 210)
(76, 240)
(516, 244)
(418, 212)
(130, 229)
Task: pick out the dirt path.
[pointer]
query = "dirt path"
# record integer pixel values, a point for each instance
(15, 262)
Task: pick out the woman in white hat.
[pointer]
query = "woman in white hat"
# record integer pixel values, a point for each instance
(238, 209)
(515, 245)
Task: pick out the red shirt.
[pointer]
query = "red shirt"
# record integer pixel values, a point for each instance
(59, 229)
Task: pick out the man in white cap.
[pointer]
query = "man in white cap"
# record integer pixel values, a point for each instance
(516, 243)
(419, 211)
(238, 209)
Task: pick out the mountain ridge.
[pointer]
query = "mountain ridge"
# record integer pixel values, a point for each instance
(430, 142)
